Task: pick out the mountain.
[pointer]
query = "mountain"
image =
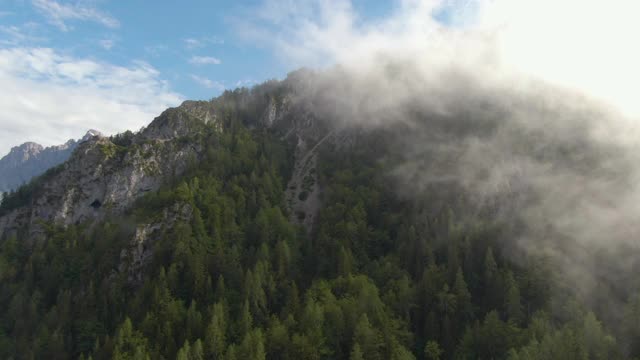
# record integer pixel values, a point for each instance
(29, 160)
(325, 217)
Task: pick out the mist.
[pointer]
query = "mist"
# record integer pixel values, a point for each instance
(528, 106)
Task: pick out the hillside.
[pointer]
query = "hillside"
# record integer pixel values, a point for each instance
(316, 218)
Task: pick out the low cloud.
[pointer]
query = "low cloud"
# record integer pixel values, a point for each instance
(528, 107)
(55, 97)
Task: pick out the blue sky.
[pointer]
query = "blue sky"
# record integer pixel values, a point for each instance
(113, 65)
(70, 65)
(180, 41)
(194, 45)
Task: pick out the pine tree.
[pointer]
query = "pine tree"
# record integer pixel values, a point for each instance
(345, 262)
(491, 289)
(367, 338)
(283, 259)
(252, 347)
(432, 351)
(446, 301)
(185, 352)
(277, 339)
(232, 353)
(130, 344)
(197, 351)
(513, 305)
(193, 322)
(463, 297)
(215, 337)
(356, 353)
(490, 267)
(245, 322)
(292, 301)
(221, 292)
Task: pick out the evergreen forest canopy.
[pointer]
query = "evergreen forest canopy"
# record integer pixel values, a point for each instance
(380, 276)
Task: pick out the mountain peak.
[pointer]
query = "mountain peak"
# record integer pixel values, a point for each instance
(29, 146)
(91, 133)
(25, 151)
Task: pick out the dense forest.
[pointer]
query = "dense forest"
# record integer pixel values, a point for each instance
(380, 276)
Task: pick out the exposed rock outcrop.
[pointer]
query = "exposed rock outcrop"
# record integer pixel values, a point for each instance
(106, 175)
(297, 123)
(102, 177)
(137, 255)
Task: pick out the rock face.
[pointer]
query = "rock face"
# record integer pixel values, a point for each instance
(137, 254)
(106, 175)
(298, 123)
(102, 178)
(303, 190)
(29, 160)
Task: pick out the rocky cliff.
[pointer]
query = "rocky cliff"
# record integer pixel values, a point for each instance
(106, 175)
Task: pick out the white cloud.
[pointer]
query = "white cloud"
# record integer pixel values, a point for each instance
(107, 44)
(58, 14)
(587, 46)
(204, 60)
(584, 45)
(196, 43)
(208, 83)
(55, 97)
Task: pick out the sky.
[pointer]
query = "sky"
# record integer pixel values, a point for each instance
(67, 66)
(113, 65)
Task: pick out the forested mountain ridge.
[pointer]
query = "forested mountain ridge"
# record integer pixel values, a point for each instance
(265, 224)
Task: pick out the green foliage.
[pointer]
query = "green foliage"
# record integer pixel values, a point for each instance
(227, 276)
(585, 340)
(111, 150)
(130, 344)
(432, 351)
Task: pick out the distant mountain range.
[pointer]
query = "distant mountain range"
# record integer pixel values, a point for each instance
(31, 159)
